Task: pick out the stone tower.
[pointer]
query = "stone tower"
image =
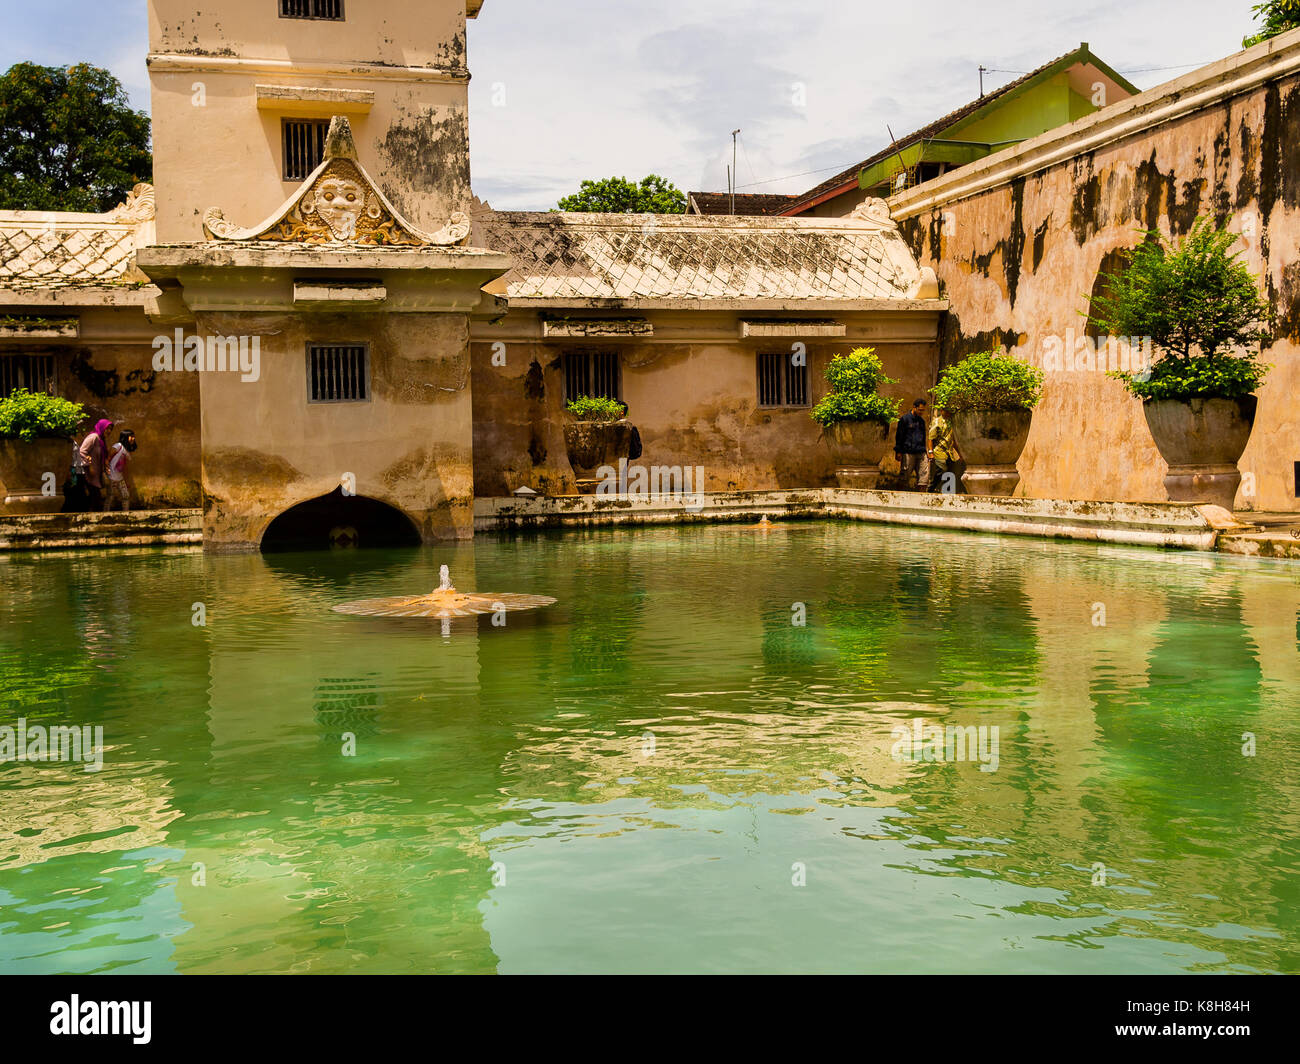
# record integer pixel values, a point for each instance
(312, 175)
(243, 91)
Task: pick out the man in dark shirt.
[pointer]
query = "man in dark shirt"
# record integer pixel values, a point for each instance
(909, 446)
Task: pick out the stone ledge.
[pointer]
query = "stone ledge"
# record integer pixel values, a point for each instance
(140, 528)
(1142, 524)
(1262, 544)
(1145, 524)
(564, 511)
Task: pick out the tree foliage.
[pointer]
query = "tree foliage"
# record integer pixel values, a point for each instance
(69, 140)
(854, 379)
(618, 195)
(1275, 16)
(989, 380)
(1198, 303)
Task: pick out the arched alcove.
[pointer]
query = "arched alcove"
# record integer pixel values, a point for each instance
(339, 522)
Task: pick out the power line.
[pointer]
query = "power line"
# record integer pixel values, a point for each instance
(791, 177)
(1150, 70)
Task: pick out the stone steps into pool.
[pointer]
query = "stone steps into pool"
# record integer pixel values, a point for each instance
(139, 528)
(1274, 536)
(1157, 524)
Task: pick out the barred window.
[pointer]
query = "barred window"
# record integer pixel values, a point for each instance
(338, 373)
(592, 373)
(33, 372)
(329, 9)
(780, 381)
(796, 383)
(304, 146)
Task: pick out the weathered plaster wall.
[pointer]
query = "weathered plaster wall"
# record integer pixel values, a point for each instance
(1018, 250)
(693, 398)
(215, 147)
(109, 369)
(266, 448)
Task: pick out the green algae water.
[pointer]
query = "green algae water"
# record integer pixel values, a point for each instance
(709, 756)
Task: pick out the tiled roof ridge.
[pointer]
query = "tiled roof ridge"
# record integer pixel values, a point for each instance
(71, 249)
(565, 257)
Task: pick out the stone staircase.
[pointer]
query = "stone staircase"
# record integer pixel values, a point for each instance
(140, 528)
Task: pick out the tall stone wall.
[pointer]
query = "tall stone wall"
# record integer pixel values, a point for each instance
(1018, 241)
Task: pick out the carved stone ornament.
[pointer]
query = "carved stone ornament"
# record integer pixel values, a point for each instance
(339, 204)
(873, 210)
(137, 207)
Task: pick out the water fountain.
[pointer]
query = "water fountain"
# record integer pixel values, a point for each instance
(444, 603)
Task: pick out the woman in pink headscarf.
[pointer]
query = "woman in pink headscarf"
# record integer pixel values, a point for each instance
(94, 453)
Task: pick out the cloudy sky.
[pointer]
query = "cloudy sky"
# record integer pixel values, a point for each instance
(569, 89)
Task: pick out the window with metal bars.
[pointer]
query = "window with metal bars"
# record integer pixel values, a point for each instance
(594, 374)
(796, 382)
(33, 372)
(327, 9)
(780, 381)
(304, 146)
(338, 373)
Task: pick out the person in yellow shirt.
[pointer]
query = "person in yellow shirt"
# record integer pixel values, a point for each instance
(943, 454)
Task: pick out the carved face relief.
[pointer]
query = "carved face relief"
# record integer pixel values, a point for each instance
(339, 202)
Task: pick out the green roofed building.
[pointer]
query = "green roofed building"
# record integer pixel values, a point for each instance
(1075, 85)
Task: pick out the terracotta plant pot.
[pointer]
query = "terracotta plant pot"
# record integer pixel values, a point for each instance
(23, 480)
(1202, 440)
(856, 449)
(593, 444)
(991, 442)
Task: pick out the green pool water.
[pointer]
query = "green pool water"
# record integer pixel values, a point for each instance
(664, 772)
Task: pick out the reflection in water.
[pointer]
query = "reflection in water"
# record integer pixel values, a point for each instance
(635, 779)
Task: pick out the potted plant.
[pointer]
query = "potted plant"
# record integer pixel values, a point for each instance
(597, 435)
(989, 399)
(855, 417)
(1200, 306)
(35, 432)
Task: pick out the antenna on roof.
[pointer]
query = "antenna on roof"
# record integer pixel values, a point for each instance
(983, 71)
(893, 141)
(731, 179)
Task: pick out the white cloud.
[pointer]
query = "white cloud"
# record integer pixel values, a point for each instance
(595, 88)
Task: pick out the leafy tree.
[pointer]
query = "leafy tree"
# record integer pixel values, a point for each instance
(1278, 16)
(1198, 303)
(618, 195)
(69, 140)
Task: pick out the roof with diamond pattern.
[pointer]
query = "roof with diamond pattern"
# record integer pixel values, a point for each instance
(44, 250)
(620, 257)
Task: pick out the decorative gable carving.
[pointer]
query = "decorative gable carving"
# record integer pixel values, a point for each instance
(137, 207)
(874, 210)
(339, 204)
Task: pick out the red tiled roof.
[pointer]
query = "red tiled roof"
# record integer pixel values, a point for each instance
(754, 203)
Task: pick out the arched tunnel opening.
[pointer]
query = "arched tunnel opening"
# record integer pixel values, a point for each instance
(339, 522)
